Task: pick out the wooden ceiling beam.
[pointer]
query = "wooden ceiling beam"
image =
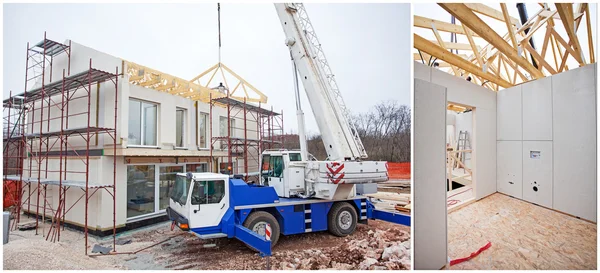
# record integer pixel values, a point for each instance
(441, 43)
(473, 46)
(424, 22)
(432, 49)
(468, 18)
(565, 11)
(511, 30)
(589, 33)
(493, 13)
(539, 59)
(456, 46)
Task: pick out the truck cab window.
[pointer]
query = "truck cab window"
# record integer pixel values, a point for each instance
(208, 192)
(295, 157)
(277, 163)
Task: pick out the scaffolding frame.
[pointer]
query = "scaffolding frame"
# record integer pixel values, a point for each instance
(38, 147)
(269, 133)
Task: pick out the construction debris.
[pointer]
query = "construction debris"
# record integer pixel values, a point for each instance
(380, 250)
(394, 201)
(101, 249)
(123, 241)
(27, 225)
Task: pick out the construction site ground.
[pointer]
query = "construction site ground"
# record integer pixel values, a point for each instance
(379, 245)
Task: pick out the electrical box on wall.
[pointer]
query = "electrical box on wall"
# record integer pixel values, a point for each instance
(509, 168)
(537, 172)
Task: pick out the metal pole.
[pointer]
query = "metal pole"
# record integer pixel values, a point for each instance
(210, 102)
(115, 162)
(229, 150)
(245, 144)
(87, 154)
(259, 132)
(60, 168)
(37, 214)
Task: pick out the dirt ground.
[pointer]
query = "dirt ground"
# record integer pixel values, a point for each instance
(380, 245)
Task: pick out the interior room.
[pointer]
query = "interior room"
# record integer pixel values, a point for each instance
(533, 162)
(526, 73)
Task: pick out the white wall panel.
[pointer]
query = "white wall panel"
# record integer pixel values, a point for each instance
(484, 122)
(484, 155)
(510, 168)
(430, 176)
(574, 137)
(537, 109)
(422, 72)
(537, 172)
(464, 92)
(509, 114)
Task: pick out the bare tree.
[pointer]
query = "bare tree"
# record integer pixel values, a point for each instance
(384, 130)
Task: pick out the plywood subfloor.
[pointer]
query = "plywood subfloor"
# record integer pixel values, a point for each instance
(523, 236)
(460, 196)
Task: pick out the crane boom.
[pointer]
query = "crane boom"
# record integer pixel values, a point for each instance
(340, 136)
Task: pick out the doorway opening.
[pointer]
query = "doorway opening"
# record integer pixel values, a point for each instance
(459, 154)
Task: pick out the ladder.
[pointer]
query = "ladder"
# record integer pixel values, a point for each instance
(463, 143)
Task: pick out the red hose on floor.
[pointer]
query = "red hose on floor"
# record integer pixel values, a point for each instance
(473, 255)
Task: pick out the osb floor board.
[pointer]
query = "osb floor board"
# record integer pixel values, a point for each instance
(523, 236)
(458, 197)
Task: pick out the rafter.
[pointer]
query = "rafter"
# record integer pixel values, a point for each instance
(509, 57)
(511, 31)
(565, 11)
(468, 18)
(424, 22)
(491, 12)
(435, 50)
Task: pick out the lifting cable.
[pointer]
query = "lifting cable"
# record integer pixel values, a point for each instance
(219, 28)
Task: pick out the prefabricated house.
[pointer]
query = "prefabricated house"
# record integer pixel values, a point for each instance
(117, 132)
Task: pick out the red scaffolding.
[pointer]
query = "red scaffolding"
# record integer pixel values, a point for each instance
(37, 130)
(267, 130)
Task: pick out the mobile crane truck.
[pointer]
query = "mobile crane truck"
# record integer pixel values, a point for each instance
(295, 195)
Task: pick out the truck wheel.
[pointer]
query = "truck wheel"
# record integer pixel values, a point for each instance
(342, 219)
(257, 222)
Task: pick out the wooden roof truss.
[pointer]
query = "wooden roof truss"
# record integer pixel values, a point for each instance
(506, 60)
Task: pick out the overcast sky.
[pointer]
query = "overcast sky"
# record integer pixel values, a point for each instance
(434, 11)
(367, 45)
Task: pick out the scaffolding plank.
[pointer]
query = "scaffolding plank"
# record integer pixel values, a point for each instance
(66, 183)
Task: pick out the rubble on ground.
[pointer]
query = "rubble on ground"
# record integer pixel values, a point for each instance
(380, 250)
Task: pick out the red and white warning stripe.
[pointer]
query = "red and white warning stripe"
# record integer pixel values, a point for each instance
(334, 172)
(268, 232)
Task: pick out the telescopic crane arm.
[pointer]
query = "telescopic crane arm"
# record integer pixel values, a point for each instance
(340, 137)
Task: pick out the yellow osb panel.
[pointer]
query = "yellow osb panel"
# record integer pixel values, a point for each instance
(523, 236)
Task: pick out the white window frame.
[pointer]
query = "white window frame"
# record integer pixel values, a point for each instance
(206, 121)
(142, 121)
(157, 211)
(231, 128)
(183, 128)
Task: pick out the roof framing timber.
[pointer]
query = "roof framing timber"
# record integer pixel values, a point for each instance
(506, 59)
(194, 90)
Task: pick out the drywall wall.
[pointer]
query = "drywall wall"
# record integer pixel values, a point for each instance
(574, 141)
(558, 141)
(537, 109)
(431, 250)
(483, 140)
(509, 118)
(510, 168)
(537, 172)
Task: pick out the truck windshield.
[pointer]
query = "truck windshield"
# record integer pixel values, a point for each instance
(180, 189)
